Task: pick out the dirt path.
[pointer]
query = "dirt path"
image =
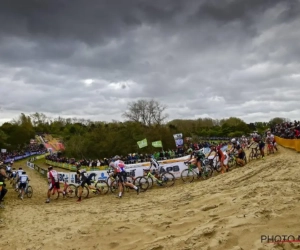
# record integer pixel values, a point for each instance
(229, 211)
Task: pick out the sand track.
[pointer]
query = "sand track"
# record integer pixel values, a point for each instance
(229, 211)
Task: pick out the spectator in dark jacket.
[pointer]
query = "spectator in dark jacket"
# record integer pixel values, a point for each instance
(3, 190)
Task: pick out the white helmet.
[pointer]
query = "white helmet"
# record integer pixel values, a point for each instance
(117, 157)
(233, 140)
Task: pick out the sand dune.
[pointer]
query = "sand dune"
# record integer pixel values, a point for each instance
(229, 211)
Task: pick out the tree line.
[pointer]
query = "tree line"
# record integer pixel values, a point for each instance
(143, 119)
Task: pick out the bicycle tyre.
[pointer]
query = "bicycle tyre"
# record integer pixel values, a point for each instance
(187, 175)
(150, 181)
(29, 192)
(71, 191)
(142, 183)
(168, 179)
(232, 163)
(85, 192)
(207, 173)
(114, 187)
(102, 185)
(251, 156)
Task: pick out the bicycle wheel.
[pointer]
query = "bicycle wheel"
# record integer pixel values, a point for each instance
(114, 187)
(85, 192)
(150, 181)
(142, 183)
(232, 163)
(102, 186)
(251, 156)
(71, 191)
(187, 175)
(29, 192)
(168, 179)
(207, 172)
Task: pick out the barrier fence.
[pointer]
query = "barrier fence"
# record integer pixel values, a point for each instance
(289, 143)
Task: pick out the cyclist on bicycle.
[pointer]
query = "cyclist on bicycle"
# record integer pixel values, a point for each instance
(19, 173)
(119, 170)
(237, 149)
(53, 181)
(261, 145)
(23, 184)
(270, 139)
(196, 158)
(223, 158)
(84, 179)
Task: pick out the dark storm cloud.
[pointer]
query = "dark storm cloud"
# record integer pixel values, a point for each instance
(200, 58)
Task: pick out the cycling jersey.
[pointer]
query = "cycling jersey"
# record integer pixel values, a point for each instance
(154, 163)
(23, 178)
(52, 176)
(119, 166)
(19, 172)
(270, 138)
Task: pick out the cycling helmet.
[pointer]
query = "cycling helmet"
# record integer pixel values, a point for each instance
(233, 140)
(117, 157)
(23, 172)
(50, 167)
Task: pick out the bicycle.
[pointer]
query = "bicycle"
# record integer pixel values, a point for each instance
(163, 178)
(140, 181)
(189, 174)
(254, 154)
(28, 191)
(69, 190)
(101, 187)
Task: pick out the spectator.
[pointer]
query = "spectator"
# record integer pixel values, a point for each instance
(3, 190)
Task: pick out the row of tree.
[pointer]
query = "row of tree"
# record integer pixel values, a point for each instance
(144, 119)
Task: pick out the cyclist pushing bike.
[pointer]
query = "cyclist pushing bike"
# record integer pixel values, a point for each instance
(24, 179)
(83, 177)
(119, 170)
(53, 181)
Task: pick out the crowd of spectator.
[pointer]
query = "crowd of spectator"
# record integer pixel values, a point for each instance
(132, 158)
(31, 148)
(287, 130)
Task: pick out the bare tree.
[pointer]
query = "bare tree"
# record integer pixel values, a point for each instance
(147, 112)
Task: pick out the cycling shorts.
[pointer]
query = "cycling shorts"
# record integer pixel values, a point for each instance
(52, 185)
(122, 177)
(85, 181)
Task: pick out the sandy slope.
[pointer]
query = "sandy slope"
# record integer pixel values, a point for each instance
(229, 211)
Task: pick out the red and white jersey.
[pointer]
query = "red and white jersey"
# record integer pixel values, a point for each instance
(119, 166)
(52, 176)
(270, 138)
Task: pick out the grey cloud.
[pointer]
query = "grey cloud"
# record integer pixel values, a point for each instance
(214, 58)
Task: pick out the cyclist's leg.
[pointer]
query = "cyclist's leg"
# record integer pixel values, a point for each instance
(199, 165)
(50, 188)
(262, 149)
(80, 190)
(120, 184)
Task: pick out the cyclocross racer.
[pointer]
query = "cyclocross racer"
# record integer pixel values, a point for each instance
(53, 181)
(119, 170)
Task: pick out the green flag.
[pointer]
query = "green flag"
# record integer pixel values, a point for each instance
(142, 143)
(157, 144)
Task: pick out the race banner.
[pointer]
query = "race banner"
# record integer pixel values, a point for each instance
(157, 144)
(142, 143)
(178, 140)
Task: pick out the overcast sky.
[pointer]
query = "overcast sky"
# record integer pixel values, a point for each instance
(88, 59)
